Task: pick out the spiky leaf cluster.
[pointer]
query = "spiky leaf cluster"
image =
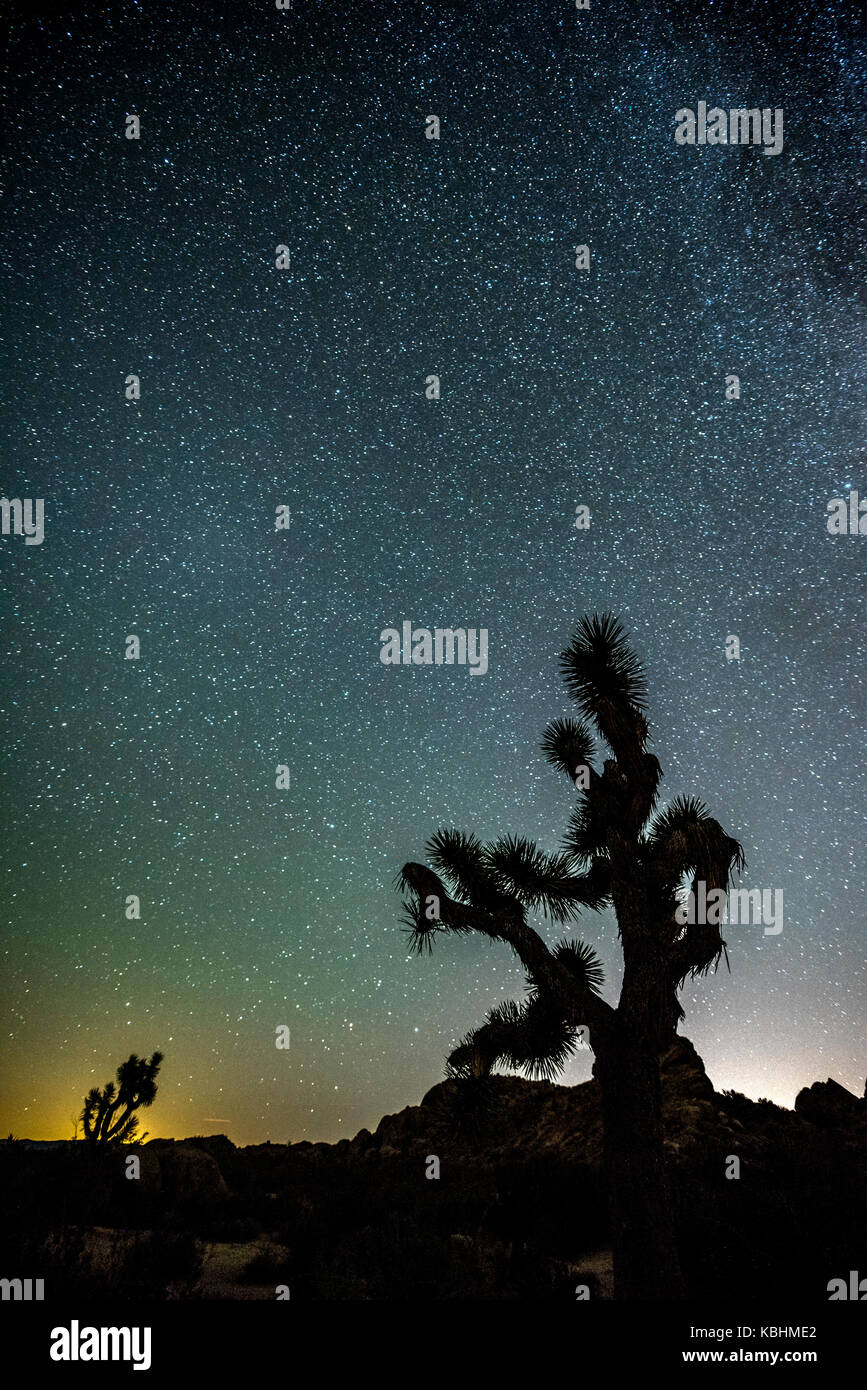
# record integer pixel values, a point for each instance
(108, 1114)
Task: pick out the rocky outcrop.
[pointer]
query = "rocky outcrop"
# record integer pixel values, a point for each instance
(829, 1105)
(507, 1117)
(182, 1171)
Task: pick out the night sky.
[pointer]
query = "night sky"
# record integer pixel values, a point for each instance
(305, 388)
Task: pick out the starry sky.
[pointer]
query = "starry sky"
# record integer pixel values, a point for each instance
(305, 388)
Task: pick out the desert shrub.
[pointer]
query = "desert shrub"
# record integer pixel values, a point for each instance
(267, 1266)
(154, 1266)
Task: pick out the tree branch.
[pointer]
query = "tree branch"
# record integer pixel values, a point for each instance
(579, 1003)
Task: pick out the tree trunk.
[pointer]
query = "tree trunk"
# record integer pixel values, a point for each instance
(646, 1263)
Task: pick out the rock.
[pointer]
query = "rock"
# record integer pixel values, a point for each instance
(150, 1175)
(362, 1142)
(827, 1104)
(509, 1117)
(219, 1146)
(186, 1172)
(683, 1074)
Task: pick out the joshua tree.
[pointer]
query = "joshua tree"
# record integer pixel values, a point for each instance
(616, 851)
(108, 1115)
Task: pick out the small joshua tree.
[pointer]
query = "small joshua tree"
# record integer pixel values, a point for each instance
(108, 1115)
(617, 851)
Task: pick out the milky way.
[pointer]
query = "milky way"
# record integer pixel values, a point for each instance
(305, 388)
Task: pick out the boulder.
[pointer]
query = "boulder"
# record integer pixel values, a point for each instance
(185, 1172)
(828, 1105)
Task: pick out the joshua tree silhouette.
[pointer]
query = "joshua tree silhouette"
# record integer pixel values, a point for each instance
(108, 1115)
(616, 851)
